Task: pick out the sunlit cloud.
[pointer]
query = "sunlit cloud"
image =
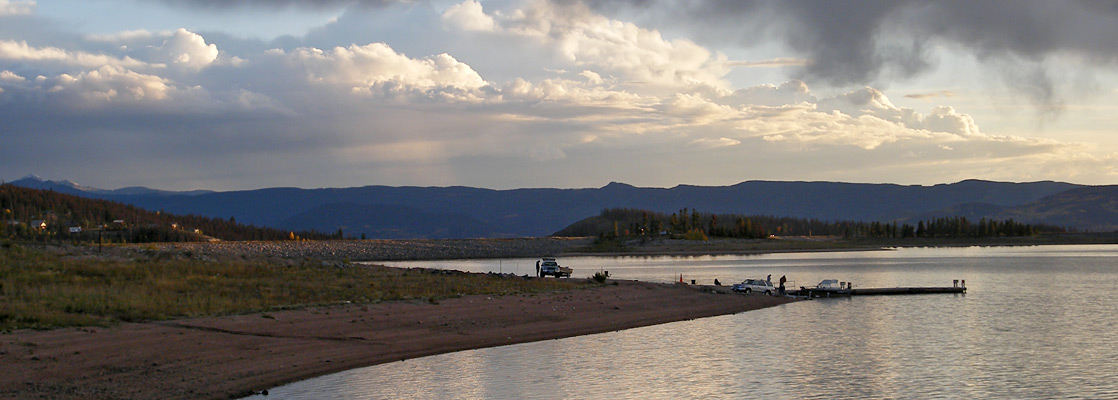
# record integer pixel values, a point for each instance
(469, 16)
(636, 55)
(185, 49)
(21, 51)
(376, 69)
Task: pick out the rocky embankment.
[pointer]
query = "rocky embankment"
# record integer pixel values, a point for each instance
(375, 250)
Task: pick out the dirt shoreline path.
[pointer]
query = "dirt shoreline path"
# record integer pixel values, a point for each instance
(228, 357)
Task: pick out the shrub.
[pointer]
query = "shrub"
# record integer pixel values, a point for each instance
(695, 234)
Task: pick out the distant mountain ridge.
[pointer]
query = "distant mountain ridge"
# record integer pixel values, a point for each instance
(70, 187)
(455, 212)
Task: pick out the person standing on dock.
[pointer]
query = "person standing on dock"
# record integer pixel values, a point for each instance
(782, 280)
(769, 278)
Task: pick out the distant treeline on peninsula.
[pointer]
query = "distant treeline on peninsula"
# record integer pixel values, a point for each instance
(693, 224)
(44, 215)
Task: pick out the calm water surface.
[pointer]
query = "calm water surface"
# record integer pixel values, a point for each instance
(1037, 322)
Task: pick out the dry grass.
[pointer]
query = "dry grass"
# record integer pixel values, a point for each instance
(41, 290)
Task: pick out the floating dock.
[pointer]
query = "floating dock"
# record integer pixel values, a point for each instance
(906, 290)
(845, 290)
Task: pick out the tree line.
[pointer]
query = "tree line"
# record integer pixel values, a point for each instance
(95, 219)
(691, 223)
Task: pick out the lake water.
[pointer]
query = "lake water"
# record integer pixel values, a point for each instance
(1037, 322)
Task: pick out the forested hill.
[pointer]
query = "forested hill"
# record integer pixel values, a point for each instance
(32, 214)
(693, 224)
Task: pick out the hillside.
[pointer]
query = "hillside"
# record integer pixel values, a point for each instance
(1092, 208)
(464, 212)
(388, 222)
(34, 214)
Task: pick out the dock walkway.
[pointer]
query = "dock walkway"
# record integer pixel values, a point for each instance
(844, 289)
(906, 290)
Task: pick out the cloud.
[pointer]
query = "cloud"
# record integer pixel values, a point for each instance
(21, 51)
(591, 77)
(112, 84)
(870, 102)
(696, 110)
(866, 41)
(378, 70)
(9, 76)
(185, 49)
(791, 92)
(469, 16)
(636, 55)
(8, 7)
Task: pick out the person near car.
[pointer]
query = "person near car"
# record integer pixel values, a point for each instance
(782, 280)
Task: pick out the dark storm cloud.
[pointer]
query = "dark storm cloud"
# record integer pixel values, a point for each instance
(856, 42)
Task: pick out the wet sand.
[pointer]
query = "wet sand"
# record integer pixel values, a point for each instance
(233, 356)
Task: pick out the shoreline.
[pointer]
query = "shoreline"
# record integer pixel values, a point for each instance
(234, 356)
(385, 250)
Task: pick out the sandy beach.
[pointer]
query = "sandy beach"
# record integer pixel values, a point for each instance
(233, 356)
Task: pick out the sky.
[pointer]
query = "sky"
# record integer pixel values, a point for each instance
(236, 95)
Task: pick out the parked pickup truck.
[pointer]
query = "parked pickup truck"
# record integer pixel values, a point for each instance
(548, 266)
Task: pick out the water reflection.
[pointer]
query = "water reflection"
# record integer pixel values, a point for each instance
(1037, 322)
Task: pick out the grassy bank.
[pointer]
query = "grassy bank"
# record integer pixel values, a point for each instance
(42, 290)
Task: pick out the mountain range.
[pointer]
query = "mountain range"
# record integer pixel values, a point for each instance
(395, 212)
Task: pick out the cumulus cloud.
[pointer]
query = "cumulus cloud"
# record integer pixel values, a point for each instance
(583, 38)
(8, 7)
(185, 49)
(695, 109)
(791, 92)
(9, 76)
(469, 16)
(112, 84)
(377, 69)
